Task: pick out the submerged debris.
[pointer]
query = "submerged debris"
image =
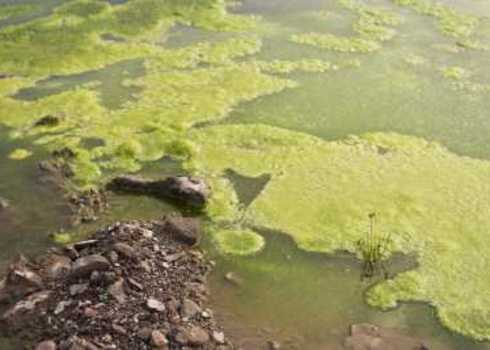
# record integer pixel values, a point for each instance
(122, 289)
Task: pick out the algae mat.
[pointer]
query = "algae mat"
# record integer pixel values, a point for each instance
(433, 202)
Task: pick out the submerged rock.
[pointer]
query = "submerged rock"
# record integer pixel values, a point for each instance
(48, 121)
(370, 337)
(4, 204)
(190, 191)
(183, 229)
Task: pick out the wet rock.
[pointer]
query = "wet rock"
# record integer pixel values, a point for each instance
(194, 335)
(46, 345)
(23, 310)
(57, 266)
(48, 120)
(84, 266)
(371, 337)
(187, 190)
(155, 305)
(189, 309)
(116, 290)
(159, 340)
(125, 250)
(184, 229)
(20, 281)
(233, 278)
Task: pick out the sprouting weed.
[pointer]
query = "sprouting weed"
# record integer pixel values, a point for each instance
(374, 249)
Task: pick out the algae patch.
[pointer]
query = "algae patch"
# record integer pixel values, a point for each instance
(432, 202)
(238, 241)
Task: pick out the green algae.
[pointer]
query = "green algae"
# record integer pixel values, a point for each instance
(69, 40)
(20, 154)
(373, 27)
(432, 202)
(451, 22)
(455, 73)
(238, 241)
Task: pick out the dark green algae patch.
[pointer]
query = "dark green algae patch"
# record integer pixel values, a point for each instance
(318, 192)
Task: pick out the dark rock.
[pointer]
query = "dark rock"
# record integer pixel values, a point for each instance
(158, 340)
(20, 281)
(187, 190)
(84, 266)
(46, 345)
(184, 229)
(48, 120)
(371, 337)
(24, 310)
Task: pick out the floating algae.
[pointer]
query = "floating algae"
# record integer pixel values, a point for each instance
(238, 241)
(20, 154)
(432, 202)
(371, 28)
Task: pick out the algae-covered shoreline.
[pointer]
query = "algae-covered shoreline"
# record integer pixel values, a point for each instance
(188, 102)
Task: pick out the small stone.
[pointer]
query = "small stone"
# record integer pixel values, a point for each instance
(189, 308)
(207, 314)
(158, 340)
(192, 336)
(145, 266)
(144, 333)
(125, 250)
(119, 329)
(58, 266)
(76, 289)
(4, 204)
(155, 305)
(233, 278)
(46, 345)
(219, 337)
(90, 312)
(84, 266)
(116, 290)
(274, 345)
(135, 284)
(62, 306)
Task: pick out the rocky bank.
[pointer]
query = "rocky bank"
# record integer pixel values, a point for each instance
(132, 285)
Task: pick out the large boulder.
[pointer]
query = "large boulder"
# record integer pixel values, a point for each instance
(84, 266)
(20, 281)
(370, 337)
(188, 190)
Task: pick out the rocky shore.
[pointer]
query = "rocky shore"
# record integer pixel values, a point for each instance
(132, 285)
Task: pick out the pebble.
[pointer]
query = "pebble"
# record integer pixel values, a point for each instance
(46, 345)
(155, 305)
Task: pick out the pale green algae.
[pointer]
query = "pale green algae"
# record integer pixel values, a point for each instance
(451, 22)
(433, 202)
(238, 241)
(455, 73)
(20, 154)
(372, 28)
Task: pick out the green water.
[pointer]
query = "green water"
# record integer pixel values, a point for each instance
(304, 300)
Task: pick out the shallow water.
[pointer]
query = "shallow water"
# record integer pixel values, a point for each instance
(304, 300)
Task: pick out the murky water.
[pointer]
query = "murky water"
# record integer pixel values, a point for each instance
(305, 301)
